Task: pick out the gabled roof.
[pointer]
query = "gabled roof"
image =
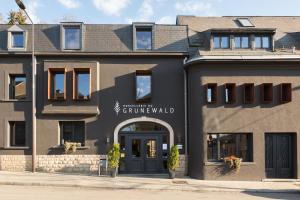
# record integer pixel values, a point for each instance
(15, 28)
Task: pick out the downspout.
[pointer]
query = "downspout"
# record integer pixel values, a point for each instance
(185, 109)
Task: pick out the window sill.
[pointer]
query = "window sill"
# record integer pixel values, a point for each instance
(56, 99)
(15, 100)
(10, 49)
(222, 163)
(78, 148)
(16, 148)
(82, 99)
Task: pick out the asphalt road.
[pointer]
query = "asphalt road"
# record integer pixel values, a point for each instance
(56, 193)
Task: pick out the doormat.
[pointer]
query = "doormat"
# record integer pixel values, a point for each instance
(180, 182)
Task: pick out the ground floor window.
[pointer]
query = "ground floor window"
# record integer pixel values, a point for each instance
(72, 131)
(221, 145)
(17, 133)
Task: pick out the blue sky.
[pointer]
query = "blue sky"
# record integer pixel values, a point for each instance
(159, 11)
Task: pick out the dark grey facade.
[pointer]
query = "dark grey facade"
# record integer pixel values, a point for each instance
(217, 89)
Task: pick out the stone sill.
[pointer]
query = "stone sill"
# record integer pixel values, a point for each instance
(222, 163)
(78, 148)
(72, 112)
(16, 148)
(15, 100)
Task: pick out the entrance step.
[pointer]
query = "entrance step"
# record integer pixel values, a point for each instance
(279, 180)
(145, 175)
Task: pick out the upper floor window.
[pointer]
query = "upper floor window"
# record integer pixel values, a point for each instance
(72, 37)
(56, 81)
(17, 87)
(211, 93)
(143, 38)
(262, 42)
(82, 84)
(143, 85)
(17, 134)
(17, 39)
(241, 42)
(221, 42)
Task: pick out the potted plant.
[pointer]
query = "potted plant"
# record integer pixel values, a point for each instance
(114, 159)
(71, 146)
(233, 162)
(173, 161)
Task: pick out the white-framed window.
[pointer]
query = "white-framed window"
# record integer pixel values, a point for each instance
(16, 38)
(71, 36)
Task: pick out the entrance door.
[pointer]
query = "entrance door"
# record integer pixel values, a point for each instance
(278, 155)
(143, 154)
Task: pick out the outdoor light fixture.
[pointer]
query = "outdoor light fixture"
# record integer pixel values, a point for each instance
(20, 4)
(107, 140)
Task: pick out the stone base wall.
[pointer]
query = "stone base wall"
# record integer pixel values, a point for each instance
(15, 163)
(85, 164)
(70, 163)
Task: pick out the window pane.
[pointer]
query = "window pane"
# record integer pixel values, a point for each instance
(209, 94)
(220, 146)
(143, 39)
(151, 148)
(136, 148)
(17, 87)
(258, 42)
(216, 42)
(83, 85)
(265, 42)
(73, 132)
(59, 85)
(245, 42)
(72, 38)
(17, 40)
(237, 42)
(143, 87)
(17, 133)
(224, 42)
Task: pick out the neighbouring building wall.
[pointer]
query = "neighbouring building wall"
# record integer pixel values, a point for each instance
(256, 118)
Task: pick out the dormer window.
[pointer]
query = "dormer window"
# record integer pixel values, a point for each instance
(262, 42)
(143, 38)
(245, 22)
(221, 42)
(71, 36)
(16, 38)
(241, 42)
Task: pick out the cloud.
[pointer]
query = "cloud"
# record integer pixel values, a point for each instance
(166, 20)
(195, 7)
(33, 6)
(144, 13)
(70, 4)
(111, 7)
(1, 19)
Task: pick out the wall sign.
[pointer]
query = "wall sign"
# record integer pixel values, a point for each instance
(141, 109)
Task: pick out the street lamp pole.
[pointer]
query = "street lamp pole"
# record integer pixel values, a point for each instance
(22, 7)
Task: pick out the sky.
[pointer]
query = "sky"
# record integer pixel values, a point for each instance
(158, 11)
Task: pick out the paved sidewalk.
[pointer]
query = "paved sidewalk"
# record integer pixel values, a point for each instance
(144, 183)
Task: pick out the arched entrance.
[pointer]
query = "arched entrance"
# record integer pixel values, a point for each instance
(144, 144)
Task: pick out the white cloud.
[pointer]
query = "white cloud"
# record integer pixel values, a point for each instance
(166, 20)
(195, 7)
(32, 8)
(111, 7)
(1, 19)
(69, 3)
(146, 11)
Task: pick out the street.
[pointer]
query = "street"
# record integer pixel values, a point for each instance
(65, 193)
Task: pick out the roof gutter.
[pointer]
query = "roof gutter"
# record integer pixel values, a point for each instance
(263, 58)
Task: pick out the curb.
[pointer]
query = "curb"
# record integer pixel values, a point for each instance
(286, 191)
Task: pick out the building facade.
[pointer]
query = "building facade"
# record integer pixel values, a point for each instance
(215, 86)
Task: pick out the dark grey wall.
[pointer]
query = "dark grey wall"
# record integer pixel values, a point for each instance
(256, 118)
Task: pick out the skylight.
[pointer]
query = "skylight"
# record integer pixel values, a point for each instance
(245, 22)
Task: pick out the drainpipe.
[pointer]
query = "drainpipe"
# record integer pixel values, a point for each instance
(185, 109)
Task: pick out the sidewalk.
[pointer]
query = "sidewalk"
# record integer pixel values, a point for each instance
(144, 183)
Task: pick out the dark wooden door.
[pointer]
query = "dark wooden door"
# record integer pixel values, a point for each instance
(278, 155)
(143, 154)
